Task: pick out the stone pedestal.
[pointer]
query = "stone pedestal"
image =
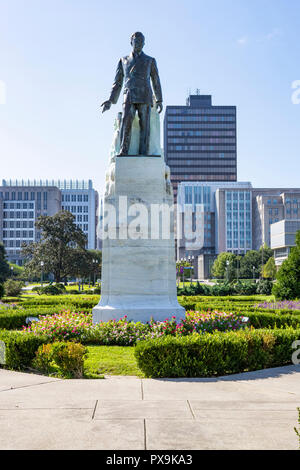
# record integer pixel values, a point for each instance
(138, 270)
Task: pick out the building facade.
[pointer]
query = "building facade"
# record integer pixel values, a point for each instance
(22, 202)
(20, 207)
(213, 217)
(271, 205)
(283, 236)
(200, 141)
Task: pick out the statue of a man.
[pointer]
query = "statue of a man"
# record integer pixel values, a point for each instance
(136, 70)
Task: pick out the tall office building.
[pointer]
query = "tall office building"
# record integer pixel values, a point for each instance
(200, 141)
(22, 202)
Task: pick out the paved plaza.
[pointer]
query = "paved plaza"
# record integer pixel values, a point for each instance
(255, 410)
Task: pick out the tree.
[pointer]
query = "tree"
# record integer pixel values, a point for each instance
(61, 249)
(269, 269)
(287, 286)
(251, 265)
(224, 266)
(4, 266)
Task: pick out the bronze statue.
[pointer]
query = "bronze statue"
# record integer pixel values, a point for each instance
(137, 69)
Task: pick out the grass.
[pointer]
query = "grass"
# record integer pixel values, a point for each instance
(111, 360)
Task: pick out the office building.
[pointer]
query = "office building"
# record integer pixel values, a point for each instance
(200, 141)
(283, 238)
(22, 202)
(271, 205)
(213, 217)
(20, 207)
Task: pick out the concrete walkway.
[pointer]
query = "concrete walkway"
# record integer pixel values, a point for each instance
(256, 410)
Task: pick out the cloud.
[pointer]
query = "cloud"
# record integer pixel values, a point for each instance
(242, 41)
(267, 37)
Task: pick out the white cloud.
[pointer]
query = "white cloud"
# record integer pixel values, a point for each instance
(242, 41)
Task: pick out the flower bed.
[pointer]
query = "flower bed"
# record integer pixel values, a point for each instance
(69, 325)
(283, 304)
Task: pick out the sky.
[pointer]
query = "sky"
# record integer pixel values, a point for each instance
(58, 60)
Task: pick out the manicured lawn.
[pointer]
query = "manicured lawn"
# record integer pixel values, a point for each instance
(111, 360)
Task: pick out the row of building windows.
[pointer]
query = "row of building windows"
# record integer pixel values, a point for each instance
(239, 245)
(205, 170)
(201, 162)
(201, 133)
(238, 205)
(23, 196)
(238, 195)
(236, 214)
(202, 177)
(75, 208)
(18, 234)
(82, 218)
(200, 141)
(196, 155)
(204, 148)
(74, 197)
(210, 118)
(239, 224)
(191, 126)
(18, 205)
(18, 215)
(17, 224)
(202, 110)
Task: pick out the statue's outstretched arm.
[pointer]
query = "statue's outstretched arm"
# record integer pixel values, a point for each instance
(116, 88)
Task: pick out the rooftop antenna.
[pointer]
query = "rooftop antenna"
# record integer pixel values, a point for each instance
(188, 96)
(198, 91)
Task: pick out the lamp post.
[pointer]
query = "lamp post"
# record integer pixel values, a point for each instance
(253, 272)
(42, 268)
(227, 273)
(95, 263)
(12, 271)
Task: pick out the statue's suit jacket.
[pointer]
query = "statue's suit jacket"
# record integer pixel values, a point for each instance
(136, 71)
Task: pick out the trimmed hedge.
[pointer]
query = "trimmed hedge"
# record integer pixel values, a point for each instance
(20, 349)
(14, 319)
(216, 354)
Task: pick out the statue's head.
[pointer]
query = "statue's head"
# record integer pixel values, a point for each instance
(137, 41)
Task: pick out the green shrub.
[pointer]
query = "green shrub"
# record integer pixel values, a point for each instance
(298, 430)
(70, 358)
(13, 288)
(2, 291)
(53, 290)
(245, 287)
(264, 286)
(19, 348)
(215, 354)
(43, 359)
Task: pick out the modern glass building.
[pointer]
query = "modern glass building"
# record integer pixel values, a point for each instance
(200, 141)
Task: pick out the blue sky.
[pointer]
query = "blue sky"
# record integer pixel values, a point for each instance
(58, 59)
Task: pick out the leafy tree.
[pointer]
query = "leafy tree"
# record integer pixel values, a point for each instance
(287, 286)
(269, 269)
(251, 259)
(4, 266)
(224, 266)
(61, 249)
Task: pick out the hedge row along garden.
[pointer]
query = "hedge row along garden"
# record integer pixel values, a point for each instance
(219, 335)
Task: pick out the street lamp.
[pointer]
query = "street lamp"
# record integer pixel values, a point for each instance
(227, 273)
(12, 271)
(42, 268)
(253, 272)
(95, 262)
